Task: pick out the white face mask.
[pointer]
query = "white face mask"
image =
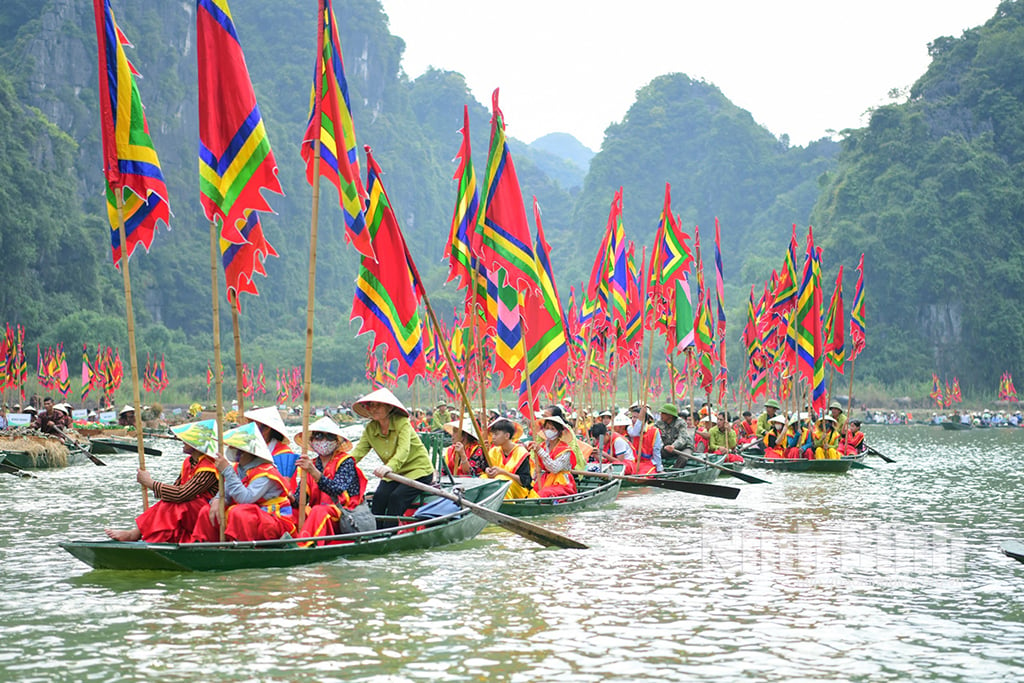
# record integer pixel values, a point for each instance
(323, 446)
(550, 434)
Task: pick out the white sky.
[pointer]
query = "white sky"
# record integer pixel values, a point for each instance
(798, 66)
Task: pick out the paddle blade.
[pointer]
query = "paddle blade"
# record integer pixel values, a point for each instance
(713, 490)
(749, 478)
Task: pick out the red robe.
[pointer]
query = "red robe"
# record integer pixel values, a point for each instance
(322, 513)
(267, 519)
(167, 522)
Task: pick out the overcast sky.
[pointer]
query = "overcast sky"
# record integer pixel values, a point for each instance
(800, 67)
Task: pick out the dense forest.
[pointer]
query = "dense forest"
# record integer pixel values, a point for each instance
(930, 190)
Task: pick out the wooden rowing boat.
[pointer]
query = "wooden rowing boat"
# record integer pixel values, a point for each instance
(800, 464)
(32, 452)
(411, 534)
(699, 473)
(957, 426)
(1014, 549)
(112, 446)
(591, 493)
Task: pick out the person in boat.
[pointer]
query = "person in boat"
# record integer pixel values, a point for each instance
(580, 450)
(775, 440)
(669, 427)
(508, 459)
(391, 436)
(620, 447)
(268, 421)
(747, 429)
(853, 440)
(335, 487)
(599, 430)
(800, 438)
(555, 460)
(647, 444)
(126, 416)
(418, 421)
(172, 518)
(826, 439)
(465, 457)
(835, 409)
(441, 417)
(771, 409)
(50, 419)
(701, 434)
(256, 500)
(722, 437)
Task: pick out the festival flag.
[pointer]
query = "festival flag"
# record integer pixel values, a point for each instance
(957, 398)
(670, 257)
(235, 160)
(618, 277)
(508, 339)
(723, 366)
(462, 263)
(857, 325)
(631, 338)
(330, 123)
(131, 168)
(807, 323)
(87, 372)
(834, 341)
(544, 336)
(684, 314)
(784, 294)
(503, 231)
(936, 392)
(388, 289)
(241, 261)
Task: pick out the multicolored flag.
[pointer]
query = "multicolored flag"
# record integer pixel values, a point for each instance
(241, 261)
(784, 294)
(330, 125)
(235, 160)
(462, 263)
(957, 398)
(388, 288)
(134, 181)
(936, 392)
(834, 341)
(503, 231)
(857, 325)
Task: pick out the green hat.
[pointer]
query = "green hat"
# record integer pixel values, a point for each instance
(772, 403)
(201, 435)
(670, 409)
(835, 404)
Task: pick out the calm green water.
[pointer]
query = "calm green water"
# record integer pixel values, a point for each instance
(889, 574)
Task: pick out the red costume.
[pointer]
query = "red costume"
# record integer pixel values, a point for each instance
(167, 522)
(322, 511)
(266, 519)
(552, 484)
(643, 447)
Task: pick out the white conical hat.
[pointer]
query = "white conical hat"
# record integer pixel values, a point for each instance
(269, 416)
(466, 427)
(379, 396)
(249, 439)
(327, 426)
(127, 409)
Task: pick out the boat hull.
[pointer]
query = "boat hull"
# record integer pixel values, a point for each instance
(698, 474)
(1014, 549)
(957, 426)
(416, 535)
(799, 465)
(593, 493)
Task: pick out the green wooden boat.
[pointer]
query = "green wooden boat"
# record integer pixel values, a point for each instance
(41, 453)
(1014, 549)
(591, 493)
(112, 446)
(800, 465)
(957, 426)
(412, 534)
(698, 473)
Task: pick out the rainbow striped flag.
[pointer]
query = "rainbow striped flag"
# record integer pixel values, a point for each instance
(388, 289)
(462, 264)
(330, 123)
(835, 343)
(241, 261)
(857, 330)
(502, 228)
(130, 165)
(235, 160)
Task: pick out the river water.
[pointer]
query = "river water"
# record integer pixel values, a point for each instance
(888, 574)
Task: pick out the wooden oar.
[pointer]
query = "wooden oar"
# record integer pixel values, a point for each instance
(872, 451)
(713, 490)
(537, 534)
(131, 447)
(71, 443)
(749, 478)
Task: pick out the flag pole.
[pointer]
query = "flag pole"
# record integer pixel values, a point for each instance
(239, 390)
(130, 319)
(217, 368)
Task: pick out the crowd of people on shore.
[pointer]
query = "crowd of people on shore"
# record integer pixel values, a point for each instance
(271, 489)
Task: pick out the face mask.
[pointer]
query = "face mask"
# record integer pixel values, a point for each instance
(324, 446)
(550, 434)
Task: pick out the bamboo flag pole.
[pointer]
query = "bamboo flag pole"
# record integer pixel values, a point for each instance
(238, 357)
(307, 376)
(217, 371)
(130, 319)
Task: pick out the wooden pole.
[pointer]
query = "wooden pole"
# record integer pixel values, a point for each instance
(239, 389)
(217, 371)
(130, 319)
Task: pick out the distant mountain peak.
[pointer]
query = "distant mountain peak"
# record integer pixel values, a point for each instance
(566, 146)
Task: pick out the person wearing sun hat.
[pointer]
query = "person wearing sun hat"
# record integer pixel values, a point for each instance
(391, 436)
(509, 460)
(126, 416)
(49, 419)
(835, 409)
(771, 409)
(465, 457)
(272, 428)
(775, 440)
(335, 487)
(619, 447)
(255, 493)
(826, 439)
(555, 459)
(172, 518)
